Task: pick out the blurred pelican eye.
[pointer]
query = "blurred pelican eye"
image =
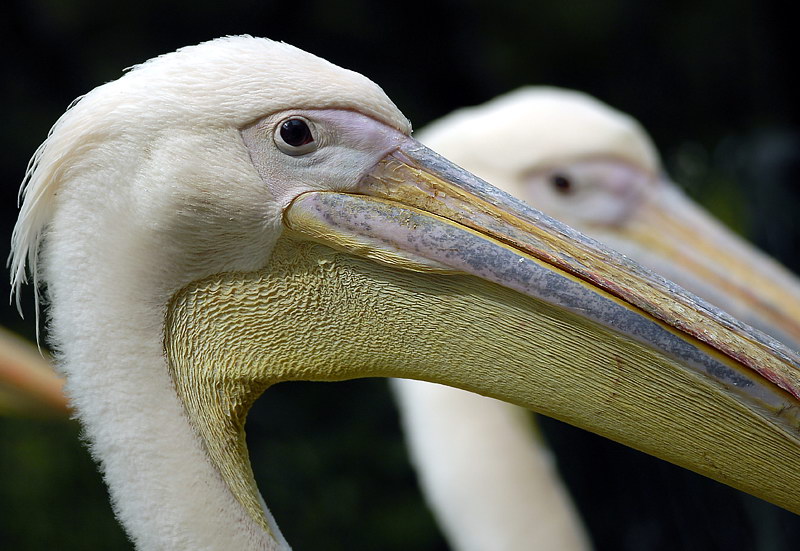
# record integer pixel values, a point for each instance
(294, 136)
(561, 184)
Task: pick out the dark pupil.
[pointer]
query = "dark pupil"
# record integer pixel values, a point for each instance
(561, 183)
(295, 132)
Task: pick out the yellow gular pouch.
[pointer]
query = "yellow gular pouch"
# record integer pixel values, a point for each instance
(318, 314)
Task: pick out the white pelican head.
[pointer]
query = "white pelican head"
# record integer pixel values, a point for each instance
(240, 213)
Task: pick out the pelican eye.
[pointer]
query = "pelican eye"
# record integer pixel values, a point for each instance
(561, 183)
(294, 136)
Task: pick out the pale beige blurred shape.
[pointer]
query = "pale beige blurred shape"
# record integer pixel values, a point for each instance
(28, 383)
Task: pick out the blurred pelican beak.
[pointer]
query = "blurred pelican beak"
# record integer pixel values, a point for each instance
(28, 384)
(680, 237)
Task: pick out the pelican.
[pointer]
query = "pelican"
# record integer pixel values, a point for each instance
(28, 384)
(489, 482)
(241, 213)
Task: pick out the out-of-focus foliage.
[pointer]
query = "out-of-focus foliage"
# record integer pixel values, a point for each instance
(710, 79)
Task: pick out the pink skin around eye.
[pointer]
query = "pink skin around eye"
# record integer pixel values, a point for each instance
(601, 192)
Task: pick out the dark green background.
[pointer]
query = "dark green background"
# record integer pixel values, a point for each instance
(713, 81)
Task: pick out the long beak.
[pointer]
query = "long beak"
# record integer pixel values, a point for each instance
(447, 202)
(462, 224)
(676, 236)
(28, 384)
(441, 277)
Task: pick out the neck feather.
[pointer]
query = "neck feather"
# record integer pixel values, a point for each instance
(165, 490)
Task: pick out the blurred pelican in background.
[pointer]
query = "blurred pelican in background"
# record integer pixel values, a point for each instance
(489, 481)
